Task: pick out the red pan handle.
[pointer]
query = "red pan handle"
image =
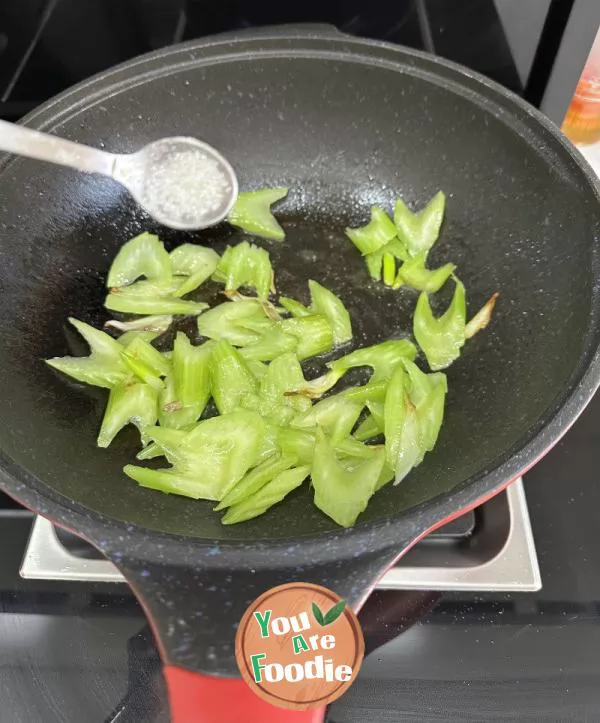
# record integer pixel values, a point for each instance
(197, 698)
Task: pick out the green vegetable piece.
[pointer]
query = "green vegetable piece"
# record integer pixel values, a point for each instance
(255, 479)
(128, 402)
(374, 424)
(233, 384)
(272, 493)
(307, 336)
(166, 442)
(382, 358)
(188, 390)
(414, 274)
(482, 318)
(139, 350)
(299, 443)
(327, 304)
(252, 213)
(427, 394)
(283, 375)
(211, 458)
(336, 414)
(378, 232)
(313, 333)
(389, 269)
(246, 265)
(147, 324)
(420, 231)
(441, 339)
(197, 263)
(129, 300)
(343, 487)
(294, 307)
(104, 367)
(229, 321)
(143, 255)
(374, 260)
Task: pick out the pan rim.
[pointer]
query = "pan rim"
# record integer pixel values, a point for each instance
(385, 532)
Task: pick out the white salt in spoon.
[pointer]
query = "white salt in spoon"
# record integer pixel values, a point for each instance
(181, 182)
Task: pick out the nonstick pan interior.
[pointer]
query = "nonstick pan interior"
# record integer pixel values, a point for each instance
(343, 133)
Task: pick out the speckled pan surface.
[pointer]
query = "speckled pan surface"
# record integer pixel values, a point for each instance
(345, 123)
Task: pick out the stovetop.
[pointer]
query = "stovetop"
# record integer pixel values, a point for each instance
(461, 630)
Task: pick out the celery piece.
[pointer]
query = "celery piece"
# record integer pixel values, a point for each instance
(482, 318)
(343, 487)
(336, 414)
(295, 308)
(233, 384)
(246, 265)
(313, 333)
(327, 304)
(414, 274)
(143, 255)
(378, 232)
(374, 260)
(210, 458)
(146, 324)
(104, 367)
(255, 479)
(420, 231)
(382, 358)
(126, 303)
(267, 496)
(442, 338)
(188, 389)
(227, 322)
(197, 263)
(128, 402)
(252, 213)
(283, 375)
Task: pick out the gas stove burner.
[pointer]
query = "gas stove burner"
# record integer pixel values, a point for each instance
(492, 550)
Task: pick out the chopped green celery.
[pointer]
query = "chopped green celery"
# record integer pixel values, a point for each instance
(143, 359)
(420, 231)
(382, 358)
(165, 443)
(128, 336)
(269, 495)
(389, 269)
(442, 338)
(414, 274)
(211, 458)
(283, 375)
(394, 414)
(128, 401)
(307, 336)
(374, 260)
(258, 369)
(189, 387)
(270, 443)
(314, 334)
(367, 429)
(252, 213)
(413, 415)
(327, 304)
(379, 231)
(427, 393)
(143, 255)
(197, 263)
(104, 367)
(367, 393)
(246, 265)
(482, 318)
(126, 302)
(297, 442)
(343, 487)
(337, 415)
(295, 308)
(233, 384)
(386, 476)
(227, 322)
(255, 479)
(147, 324)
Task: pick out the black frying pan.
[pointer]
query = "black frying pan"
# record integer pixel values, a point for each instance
(345, 123)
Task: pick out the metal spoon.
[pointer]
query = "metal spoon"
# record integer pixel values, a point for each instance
(181, 182)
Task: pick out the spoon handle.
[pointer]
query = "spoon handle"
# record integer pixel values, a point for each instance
(46, 147)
